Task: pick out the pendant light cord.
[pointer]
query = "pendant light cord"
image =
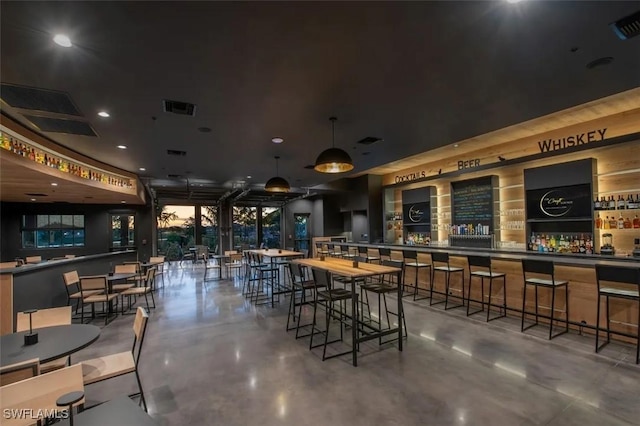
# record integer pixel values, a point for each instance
(277, 170)
(333, 131)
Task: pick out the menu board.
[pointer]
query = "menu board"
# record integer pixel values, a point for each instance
(560, 203)
(472, 202)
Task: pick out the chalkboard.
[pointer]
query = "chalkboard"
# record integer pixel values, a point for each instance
(472, 202)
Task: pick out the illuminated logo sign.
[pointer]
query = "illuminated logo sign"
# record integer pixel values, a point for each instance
(415, 214)
(555, 203)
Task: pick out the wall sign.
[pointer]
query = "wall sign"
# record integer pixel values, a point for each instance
(472, 202)
(565, 142)
(468, 164)
(565, 202)
(416, 213)
(408, 177)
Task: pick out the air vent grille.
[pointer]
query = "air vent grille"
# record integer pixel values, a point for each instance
(180, 108)
(35, 99)
(627, 27)
(369, 140)
(176, 152)
(57, 125)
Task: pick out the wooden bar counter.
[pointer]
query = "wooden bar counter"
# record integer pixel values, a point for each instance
(578, 270)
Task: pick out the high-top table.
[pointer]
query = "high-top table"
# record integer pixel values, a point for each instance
(345, 268)
(53, 343)
(276, 254)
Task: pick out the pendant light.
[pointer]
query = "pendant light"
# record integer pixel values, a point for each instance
(277, 184)
(333, 160)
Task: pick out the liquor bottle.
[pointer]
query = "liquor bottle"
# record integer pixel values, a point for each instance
(627, 223)
(629, 203)
(620, 222)
(588, 245)
(596, 204)
(606, 224)
(613, 223)
(598, 222)
(612, 203)
(620, 205)
(552, 243)
(636, 222)
(32, 154)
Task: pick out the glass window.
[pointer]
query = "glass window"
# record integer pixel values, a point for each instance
(244, 227)
(123, 230)
(209, 222)
(46, 231)
(271, 227)
(176, 230)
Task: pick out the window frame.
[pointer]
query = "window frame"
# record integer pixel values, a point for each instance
(36, 227)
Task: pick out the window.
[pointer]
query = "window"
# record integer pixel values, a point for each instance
(244, 227)
(122, 230)
(50, 231)
(209, 221)
(271, 227)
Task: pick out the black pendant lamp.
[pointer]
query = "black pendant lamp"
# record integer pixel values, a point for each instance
(333, 160)
(277, 184)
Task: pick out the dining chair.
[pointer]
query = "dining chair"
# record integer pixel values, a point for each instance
(19, 371)
(92, 283)
(142, 290)
(107, 367)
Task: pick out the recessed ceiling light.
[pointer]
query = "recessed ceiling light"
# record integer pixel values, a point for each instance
(277, 140)
(33, 199)
(249, 177)
(513, 1)
(142, 169)
(455, 145)
(62, 40)
(123, 202)
(54, 184)
(104, 114)
(122, 146)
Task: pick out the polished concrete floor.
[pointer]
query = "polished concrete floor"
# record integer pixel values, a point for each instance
(210, 357)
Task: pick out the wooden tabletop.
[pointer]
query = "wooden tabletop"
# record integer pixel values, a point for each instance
(345, 267)
(276, 253)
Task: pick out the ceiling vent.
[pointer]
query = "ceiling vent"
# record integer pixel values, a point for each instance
(57, 125)
(627, 27)
(369, 140)
(35, 99)
(600, 62)
(176, 152)
(180, 108)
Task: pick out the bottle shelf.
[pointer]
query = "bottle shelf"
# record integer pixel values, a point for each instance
(618, 172)
(617, 210)
(519, 200)
(619, 192)
(605, 230)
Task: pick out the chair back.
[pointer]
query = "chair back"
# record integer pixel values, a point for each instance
(44, 318)
(96, 282)
(410, 254)
(626, 278)
(69, 256)
(235, 257)
(41, 392)
(481, 261)
(305, 253)
(156, 259)
(127, 268)
(386, 252)
(139, 330)
(150, 277)
(537, 266)
(344, 249)
(321, 277)
(33, 259)
(438, 256)
(230, 252)
(8, 265)
(360, 259)
(363, 250)
(71, 278)
(296, 273)
(20, 371)
(394, 264)
(137, 264)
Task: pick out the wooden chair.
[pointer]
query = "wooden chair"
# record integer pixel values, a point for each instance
(40, 393)
(46, 318)
(234, 262)
(33, 259)
(69, 256)
(159, 261)
(147, 288)
(8, 265)
(20, 371)
(116, 365)
(92, 283)
(215, 267)
(72, 285)
(128, 268)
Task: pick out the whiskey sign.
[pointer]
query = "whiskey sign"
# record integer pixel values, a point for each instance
(565, 142)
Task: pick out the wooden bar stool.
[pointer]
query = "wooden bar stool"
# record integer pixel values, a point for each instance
(410, 258)
(364, 253)
(321, 251)
(543, 267)
(443, 260)
(487, 272)
(621, 283)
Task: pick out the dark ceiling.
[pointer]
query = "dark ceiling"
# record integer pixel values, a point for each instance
(418, 75)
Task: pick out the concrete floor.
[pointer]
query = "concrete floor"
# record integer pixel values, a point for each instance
(210, 357)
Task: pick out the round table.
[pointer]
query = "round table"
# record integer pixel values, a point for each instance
(53, 343)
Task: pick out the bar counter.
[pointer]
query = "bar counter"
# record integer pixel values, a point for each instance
(39, 286)
(579, 270)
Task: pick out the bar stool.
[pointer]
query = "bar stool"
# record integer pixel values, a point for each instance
(303, 285)
(627, 286)
(364, 253)
(331, 250)
(346, 254)
(381, 289)
(485, 262)
(321, 251)
(329, 296)
(443, 260)
(543, 267)
(385, 254)
(410, 258)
